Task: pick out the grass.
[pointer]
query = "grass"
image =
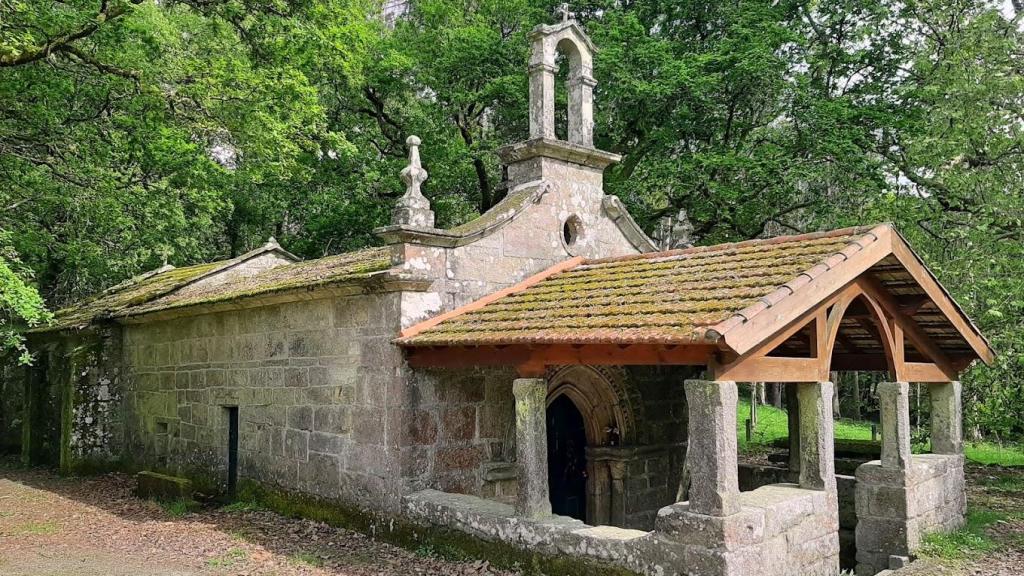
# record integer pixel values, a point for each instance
(228, 559)
(36, 529)
(1007, 484)
(242, 506)
(177, 508)
(772, 425)
(442, 552)
(971, 541)
(306, 559)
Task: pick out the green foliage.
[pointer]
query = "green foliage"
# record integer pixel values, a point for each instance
(134, 131)
(20, 305)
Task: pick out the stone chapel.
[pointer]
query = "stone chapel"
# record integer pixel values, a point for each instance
(541, 379)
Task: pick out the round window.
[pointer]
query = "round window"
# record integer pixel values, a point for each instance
(571, 230)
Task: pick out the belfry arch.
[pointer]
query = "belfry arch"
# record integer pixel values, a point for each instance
(547, 42)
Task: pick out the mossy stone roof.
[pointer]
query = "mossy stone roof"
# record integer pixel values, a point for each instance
(124, 296)
(666, 298)
(341, 268)
(162, 289)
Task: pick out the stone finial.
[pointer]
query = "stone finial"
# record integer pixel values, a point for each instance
(413, 209)
(271, 243)
(674, 232)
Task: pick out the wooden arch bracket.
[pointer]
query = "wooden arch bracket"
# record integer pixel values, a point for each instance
(893, 327)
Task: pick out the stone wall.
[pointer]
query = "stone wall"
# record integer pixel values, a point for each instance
(781, 530)
(460, 428)
(315, 382)
(752, 477)
(96, 433)
(896, 508)
(460, 438)
(12, 405)
(653, 477)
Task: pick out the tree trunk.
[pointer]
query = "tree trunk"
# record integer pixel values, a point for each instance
(856, 396)
(776, 394)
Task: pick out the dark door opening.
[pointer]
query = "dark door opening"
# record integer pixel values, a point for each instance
(567, 459)
(232, 451)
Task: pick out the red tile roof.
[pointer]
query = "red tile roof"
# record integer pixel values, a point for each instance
(672, 297)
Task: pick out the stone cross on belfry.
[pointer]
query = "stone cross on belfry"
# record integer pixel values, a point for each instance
(566, 14)
(547, 42)
(413, 209)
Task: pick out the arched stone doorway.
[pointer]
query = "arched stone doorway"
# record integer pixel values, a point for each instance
(589, 419)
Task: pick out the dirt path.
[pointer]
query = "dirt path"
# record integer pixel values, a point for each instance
(51, 526)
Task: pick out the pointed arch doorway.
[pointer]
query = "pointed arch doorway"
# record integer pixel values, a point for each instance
(589, 417)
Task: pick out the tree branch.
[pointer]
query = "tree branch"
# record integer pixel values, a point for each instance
(106, 14)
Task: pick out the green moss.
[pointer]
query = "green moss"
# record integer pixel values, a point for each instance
(441, 541)
(664, 297)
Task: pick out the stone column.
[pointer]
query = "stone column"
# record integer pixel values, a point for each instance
(894, 405)
(817, 441)
(532, 500)
(542, 100)
(947, 418)
(581, 110)
(617, 471)
(714, 485)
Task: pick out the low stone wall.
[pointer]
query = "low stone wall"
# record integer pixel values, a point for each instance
(781, 530)
(752, 477)
(896, 508)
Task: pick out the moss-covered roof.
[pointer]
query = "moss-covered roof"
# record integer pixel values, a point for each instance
(133, 292)
(666, 297)
(341, 268)
(162, 289)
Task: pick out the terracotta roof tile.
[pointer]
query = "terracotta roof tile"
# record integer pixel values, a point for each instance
(667, 297)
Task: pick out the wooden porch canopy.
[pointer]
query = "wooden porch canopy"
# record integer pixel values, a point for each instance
(786, 309)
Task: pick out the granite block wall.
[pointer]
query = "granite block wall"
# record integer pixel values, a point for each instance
(311, 380)
(896, 508)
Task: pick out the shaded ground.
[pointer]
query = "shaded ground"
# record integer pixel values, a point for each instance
(51, 526)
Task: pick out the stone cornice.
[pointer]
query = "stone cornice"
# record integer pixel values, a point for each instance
(501, 214)
(558, 150)
(617, 211)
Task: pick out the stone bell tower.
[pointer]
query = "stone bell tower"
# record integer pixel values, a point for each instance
(546, 156)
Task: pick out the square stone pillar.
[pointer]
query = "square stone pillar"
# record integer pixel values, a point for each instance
(533, 500)
(581, 110)
(817, 437)
(894, 405)
(542, 100)
(947, 418)
(714, 481)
